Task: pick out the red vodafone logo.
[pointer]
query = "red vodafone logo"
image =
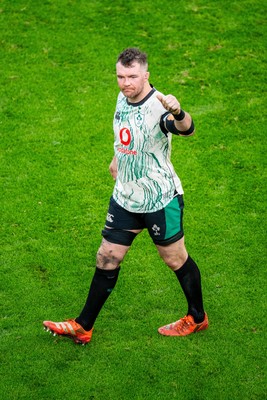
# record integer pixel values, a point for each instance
(125, 136)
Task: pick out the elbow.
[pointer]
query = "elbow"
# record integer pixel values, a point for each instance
(191, 134)
(190, 131)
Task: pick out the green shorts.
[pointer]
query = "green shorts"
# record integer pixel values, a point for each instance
(164, 226)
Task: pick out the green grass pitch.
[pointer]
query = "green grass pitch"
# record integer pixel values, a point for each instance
(58, 93)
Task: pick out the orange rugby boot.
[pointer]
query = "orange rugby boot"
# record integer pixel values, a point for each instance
(69, 328)
(184, 327)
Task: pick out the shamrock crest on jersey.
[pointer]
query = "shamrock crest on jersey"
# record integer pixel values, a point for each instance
(139, 118)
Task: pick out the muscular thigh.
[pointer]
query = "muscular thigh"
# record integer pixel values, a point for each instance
(120, 218)
(166, 225)
(121, 226)
(120, 229)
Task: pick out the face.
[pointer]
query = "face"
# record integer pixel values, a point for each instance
(133, 81)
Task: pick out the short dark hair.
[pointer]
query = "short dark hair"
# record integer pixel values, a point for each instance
(130, 55)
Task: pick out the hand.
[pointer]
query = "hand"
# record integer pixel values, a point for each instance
(170, 103)
(113, 168)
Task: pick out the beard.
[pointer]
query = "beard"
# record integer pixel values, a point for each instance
(132, 94)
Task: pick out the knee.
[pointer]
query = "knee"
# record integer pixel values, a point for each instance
(175, 262)
(174, 255)
(107, 257)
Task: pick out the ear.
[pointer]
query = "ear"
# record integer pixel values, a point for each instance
(147, 74)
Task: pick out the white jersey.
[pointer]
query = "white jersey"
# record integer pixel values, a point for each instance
(146, 180)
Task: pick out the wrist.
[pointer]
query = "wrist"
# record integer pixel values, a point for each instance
(180, 116)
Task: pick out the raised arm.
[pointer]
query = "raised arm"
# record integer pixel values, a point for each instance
(181, 119)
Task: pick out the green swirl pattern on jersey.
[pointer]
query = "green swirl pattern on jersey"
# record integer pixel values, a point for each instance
(146, 179)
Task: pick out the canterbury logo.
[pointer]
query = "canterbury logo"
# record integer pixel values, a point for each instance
(110, 217)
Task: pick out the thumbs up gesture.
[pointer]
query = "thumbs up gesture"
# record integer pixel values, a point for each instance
(170, 103)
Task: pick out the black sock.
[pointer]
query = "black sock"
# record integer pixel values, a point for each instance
(101, 286)
(190, 281)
